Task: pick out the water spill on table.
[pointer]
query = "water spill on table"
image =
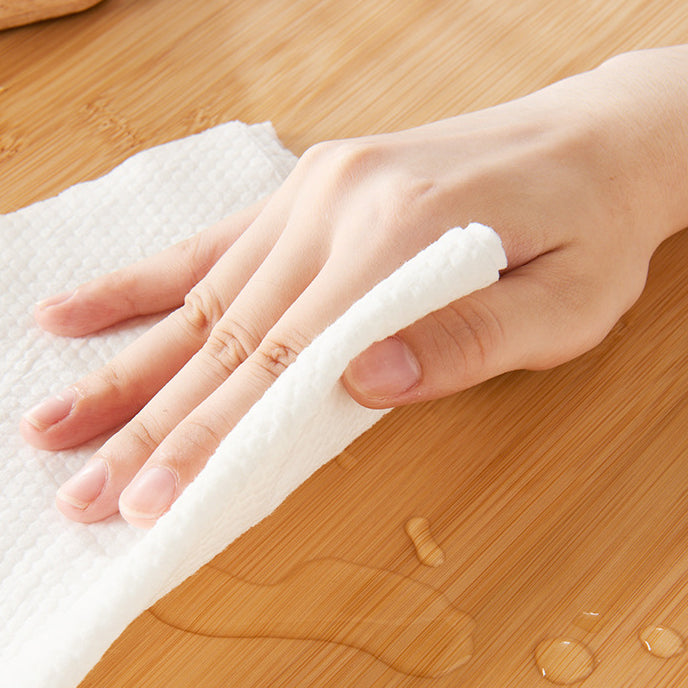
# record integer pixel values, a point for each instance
(406, 624)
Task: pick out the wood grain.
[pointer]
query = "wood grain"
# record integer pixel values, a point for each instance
(18, 12)
(558, 499)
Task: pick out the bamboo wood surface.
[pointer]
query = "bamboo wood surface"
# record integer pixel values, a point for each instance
(18, 12)
(549, 508)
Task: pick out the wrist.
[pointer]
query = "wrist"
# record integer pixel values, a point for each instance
(643, 132)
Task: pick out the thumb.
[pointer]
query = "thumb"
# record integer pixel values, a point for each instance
(528, 319)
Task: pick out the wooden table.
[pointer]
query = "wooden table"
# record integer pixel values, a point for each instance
(557, 500)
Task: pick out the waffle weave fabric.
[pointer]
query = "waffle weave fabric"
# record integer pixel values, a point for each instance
(67, 590)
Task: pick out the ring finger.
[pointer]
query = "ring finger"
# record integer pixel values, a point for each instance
(93, 493)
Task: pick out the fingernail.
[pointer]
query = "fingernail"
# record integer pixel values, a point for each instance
(51, 410)
(55, 300)
(385, 369)
(84, 487)
(150, 494)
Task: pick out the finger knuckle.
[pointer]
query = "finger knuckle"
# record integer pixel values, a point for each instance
(317, 151)
(108, 382)
(409, 201)
(145, 433)
(273, 357)
(201, 310)
(228, 346)
(342, 161)
(201, 434)
(355, 157)
(476, 330)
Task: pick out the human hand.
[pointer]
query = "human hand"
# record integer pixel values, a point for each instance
(563, 176)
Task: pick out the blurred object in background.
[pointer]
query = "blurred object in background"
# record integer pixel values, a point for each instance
(18, 12)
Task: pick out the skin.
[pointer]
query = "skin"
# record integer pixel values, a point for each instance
(582, 180)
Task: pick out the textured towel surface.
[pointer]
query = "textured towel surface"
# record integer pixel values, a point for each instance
(68, 590)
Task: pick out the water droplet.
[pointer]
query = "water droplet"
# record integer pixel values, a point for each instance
(661, 641)
(588, 621)
(427, 550)
(408, 625)
(564, 661)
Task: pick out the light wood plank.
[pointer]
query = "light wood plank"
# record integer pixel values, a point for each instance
(551, 495)
(18, 12)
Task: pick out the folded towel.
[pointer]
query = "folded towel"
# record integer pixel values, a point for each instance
(67, 590)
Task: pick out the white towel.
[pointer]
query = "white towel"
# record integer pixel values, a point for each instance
(68, 590)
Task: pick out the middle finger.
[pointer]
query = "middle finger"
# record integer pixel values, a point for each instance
(233, 337)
